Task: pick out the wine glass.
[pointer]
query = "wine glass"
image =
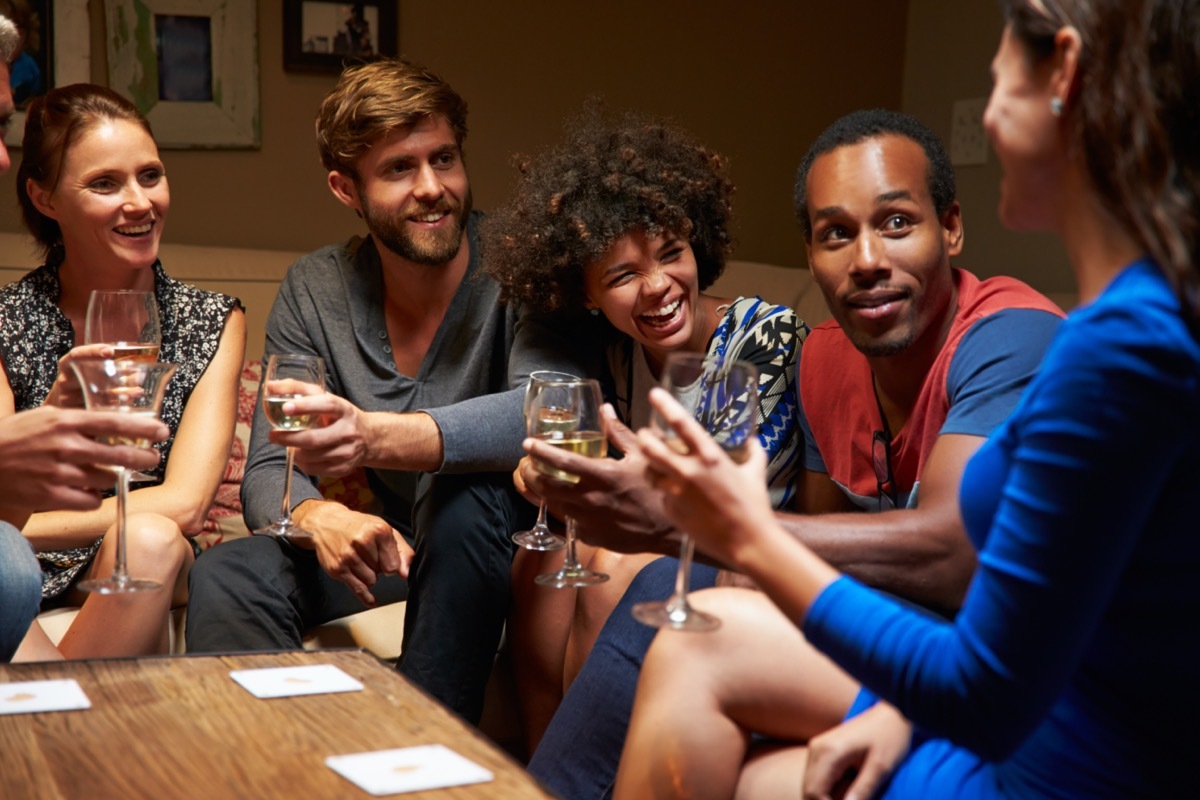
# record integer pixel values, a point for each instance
(128, 321)
(539, 537)
(723, 396)
(286, 378)
(130, 387)
(566, 414)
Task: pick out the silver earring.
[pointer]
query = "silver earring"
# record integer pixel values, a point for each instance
(1056, 106)
(595, 312)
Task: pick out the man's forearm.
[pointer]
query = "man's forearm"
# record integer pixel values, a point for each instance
(921, 555)
(409, 442)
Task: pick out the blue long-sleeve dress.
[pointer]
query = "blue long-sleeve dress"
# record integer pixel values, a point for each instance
(1073, 669)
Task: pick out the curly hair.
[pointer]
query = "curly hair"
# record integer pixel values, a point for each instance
(604, 180)
(858, 126)
(1134, 117)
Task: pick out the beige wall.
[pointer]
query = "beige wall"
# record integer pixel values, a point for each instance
(754, 80)
(949, 48)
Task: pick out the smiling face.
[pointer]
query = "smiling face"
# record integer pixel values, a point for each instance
(111, 200)
(879, 252)
(1024, 134)
(647, 289)
(413, 192)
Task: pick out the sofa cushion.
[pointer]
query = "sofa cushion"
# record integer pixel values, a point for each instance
(225, 516)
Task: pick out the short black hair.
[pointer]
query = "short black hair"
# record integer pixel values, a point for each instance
(858, 126)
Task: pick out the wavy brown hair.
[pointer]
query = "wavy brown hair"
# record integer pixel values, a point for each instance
(606, 179)
(1134, 116)
(374, 99)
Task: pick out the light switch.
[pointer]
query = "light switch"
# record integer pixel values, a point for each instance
(968, 145)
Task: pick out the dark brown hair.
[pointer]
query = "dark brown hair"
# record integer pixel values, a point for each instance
(605, 180)
(1135, 117)
(55, 122)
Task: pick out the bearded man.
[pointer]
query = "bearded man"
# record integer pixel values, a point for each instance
(425, 382)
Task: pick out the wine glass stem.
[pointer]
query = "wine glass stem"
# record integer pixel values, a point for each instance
(539, 527)
(684, 575)
(571, 563)
(120, 572)
(285, 516)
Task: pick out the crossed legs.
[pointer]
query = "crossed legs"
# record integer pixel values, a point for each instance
(700, 696)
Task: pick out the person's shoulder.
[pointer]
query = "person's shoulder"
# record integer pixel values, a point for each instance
(981, 297)
(754, 311)
(1138, 307)
(192, 304)
(330, 260)
(34, 283)
(826, 334)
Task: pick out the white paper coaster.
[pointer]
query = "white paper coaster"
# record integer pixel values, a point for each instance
(32, 696)
(408, 769)
(289, 681)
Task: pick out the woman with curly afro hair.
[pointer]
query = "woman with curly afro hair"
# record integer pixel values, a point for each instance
(627, 220)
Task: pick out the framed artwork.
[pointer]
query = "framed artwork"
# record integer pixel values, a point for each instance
(56, 53)
(326, 36)
(191, 66)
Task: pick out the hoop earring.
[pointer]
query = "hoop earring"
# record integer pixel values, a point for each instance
(1056, 106)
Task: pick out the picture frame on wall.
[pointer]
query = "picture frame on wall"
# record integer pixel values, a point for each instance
(60, 56)
(326, 35)
(191, 66)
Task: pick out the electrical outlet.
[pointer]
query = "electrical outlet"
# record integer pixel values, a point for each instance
(968, 145)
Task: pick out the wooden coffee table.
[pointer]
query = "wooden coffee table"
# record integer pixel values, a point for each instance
(176, 727)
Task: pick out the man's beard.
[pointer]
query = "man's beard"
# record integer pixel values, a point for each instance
(431, 248)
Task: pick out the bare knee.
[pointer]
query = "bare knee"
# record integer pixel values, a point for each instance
(156, 540)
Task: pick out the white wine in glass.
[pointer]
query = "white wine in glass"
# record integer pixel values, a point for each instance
(127, 387)
(723, 397)
(127, 320)
(287, 378)
(540, 537)
(566, 414)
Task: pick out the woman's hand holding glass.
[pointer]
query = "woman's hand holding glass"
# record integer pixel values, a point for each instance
(566, 415)
(539, 537)
(721, 503)
(66, 391)
(287, 379)
(722, 395)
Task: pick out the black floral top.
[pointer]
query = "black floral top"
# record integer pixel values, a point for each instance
(35, 334)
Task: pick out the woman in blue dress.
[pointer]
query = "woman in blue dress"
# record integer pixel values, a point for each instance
(1071, 669)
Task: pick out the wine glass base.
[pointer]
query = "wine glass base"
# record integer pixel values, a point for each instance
(678, 617)
(141, 477)
(116, 586)
(567, 578)
(279, 530)
(539, 540)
